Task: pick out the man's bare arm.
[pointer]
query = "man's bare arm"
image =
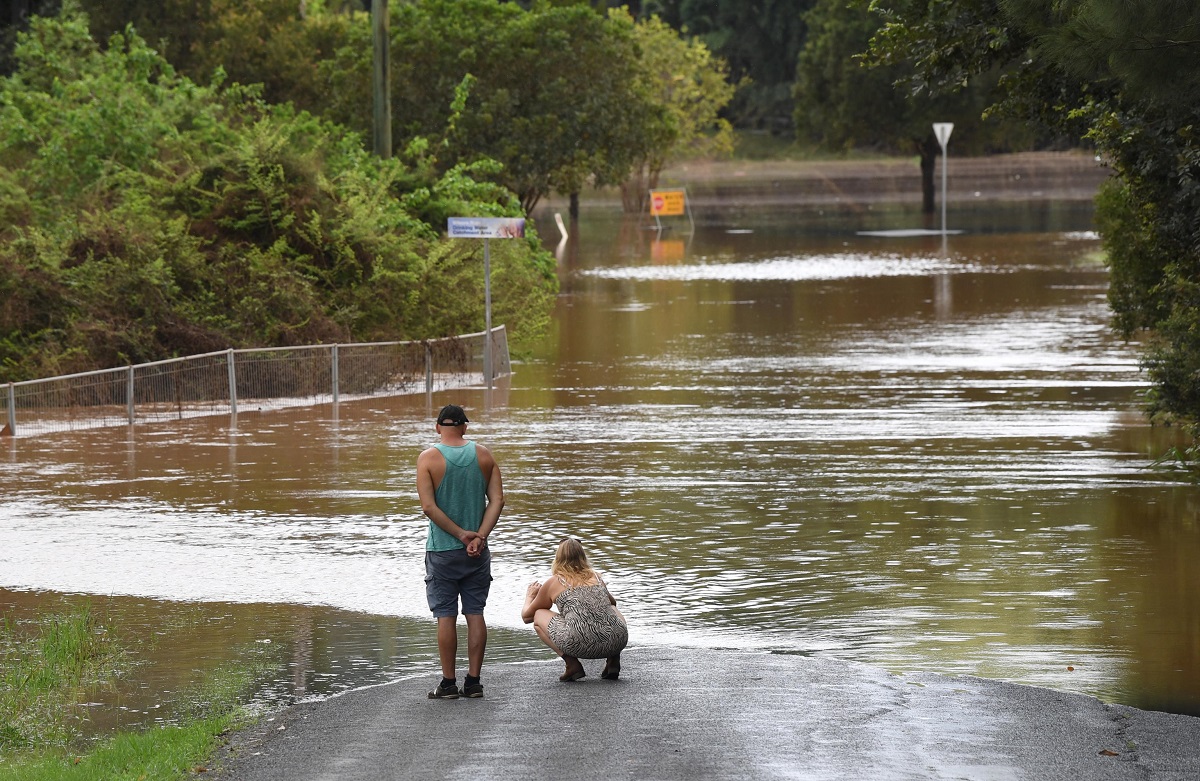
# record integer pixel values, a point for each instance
(495, 500)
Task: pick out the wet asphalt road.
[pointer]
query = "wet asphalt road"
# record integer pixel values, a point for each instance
(686, 715)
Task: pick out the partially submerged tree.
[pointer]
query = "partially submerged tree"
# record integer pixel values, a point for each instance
(1127, 76)
(683, 77)
(843, 104)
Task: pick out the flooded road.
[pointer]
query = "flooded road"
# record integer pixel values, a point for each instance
(920, 454)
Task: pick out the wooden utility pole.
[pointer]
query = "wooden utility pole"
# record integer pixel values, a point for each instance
(380, 81)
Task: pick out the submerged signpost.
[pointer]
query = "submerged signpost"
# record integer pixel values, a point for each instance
(486, 228)
(943, 130)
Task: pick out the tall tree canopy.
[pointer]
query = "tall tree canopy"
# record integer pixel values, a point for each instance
(275, 43)
(1126, 74)
(692, 86)
(759, 40)
(843, 104)
(14, 19)
(556, 95)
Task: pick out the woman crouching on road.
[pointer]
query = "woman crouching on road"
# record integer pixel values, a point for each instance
(587, 624)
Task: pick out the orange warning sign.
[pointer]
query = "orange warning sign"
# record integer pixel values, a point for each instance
(667, 203)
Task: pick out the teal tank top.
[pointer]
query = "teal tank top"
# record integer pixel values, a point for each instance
(462, 495)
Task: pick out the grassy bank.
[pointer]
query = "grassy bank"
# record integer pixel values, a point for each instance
(156, 755)
(52, 665)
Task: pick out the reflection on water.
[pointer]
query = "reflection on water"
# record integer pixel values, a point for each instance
(315, 651)
(771, 434)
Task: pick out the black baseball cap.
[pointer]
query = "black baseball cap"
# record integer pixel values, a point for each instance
(452, 415)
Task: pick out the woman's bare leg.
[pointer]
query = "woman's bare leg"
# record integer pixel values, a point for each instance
(541, 623)
(574, 669)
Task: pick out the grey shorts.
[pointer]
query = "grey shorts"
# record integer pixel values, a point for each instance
(452, 574)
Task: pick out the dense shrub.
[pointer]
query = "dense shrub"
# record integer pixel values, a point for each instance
(147, 216)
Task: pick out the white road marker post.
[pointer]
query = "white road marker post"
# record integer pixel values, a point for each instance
(943, 130)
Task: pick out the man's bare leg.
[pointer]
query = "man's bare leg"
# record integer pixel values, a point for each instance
(476, 644)
(447, 640)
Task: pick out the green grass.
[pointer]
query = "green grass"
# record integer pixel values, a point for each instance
(48, 666)
(155, 755)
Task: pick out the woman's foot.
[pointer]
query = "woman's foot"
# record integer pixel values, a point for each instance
(612, 668)
(574, 670)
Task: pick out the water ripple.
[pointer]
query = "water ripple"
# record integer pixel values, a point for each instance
(803, 268)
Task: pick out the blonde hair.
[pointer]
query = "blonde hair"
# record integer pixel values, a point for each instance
(571, 562)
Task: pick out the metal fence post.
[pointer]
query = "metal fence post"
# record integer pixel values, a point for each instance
(487, 315)
(232, 382)
(12, 409)
(428, 368)
(129, 395)
(187, 386)
(334, 371)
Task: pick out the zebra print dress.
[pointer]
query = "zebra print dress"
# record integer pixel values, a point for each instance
(587, 625)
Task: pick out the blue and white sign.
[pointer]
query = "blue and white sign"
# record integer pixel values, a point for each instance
(486, 227)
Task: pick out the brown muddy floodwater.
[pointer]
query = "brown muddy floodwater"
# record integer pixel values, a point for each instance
(773, 434)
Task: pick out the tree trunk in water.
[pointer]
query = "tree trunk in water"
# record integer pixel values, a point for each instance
(573, 211)
(928, 149)
(633, 191)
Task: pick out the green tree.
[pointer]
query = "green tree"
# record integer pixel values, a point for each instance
(147, 216)
(1126, 75)
(555, 92)
(16, 20)
(556, 96)
(843, 104)
(1148, 48)
(693, 86)
(760, 42)
(179, 30)
(275, 43)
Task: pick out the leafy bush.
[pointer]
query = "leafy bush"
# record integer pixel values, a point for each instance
(148, 216)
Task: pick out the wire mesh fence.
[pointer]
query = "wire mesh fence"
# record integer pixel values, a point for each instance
(250, 379)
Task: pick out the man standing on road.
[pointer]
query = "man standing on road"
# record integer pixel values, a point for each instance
(459, 486)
